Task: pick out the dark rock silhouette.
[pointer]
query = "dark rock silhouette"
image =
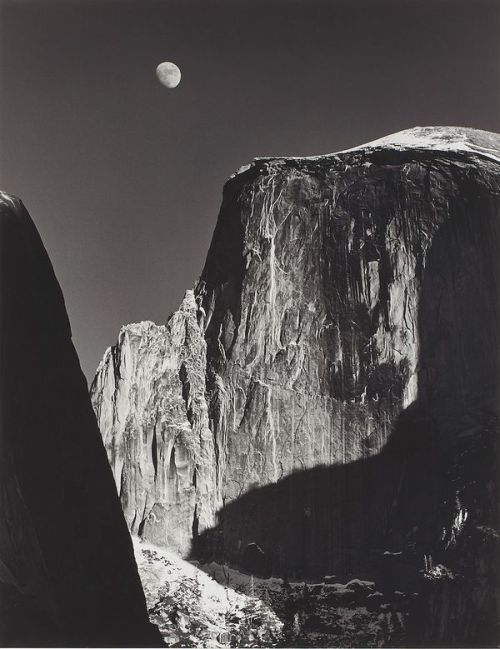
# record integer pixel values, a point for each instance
(67, 571)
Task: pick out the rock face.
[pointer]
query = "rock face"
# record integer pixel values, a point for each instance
(332, 393)
(67, 571)
(149, 397)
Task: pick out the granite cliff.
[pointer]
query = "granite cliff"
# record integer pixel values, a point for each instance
(67, 571)
(326, 399)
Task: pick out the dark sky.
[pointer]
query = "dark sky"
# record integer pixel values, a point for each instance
(124, 177)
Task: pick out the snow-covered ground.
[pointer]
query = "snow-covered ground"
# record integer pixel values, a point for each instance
(192, 610)
(213, 605)
(440, 138)
(419, 138)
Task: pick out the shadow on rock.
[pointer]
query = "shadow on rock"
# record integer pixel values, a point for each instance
(422, 514)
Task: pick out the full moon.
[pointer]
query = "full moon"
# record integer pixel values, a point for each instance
(168, 74)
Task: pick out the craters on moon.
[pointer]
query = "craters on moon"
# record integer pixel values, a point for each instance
(168, 74)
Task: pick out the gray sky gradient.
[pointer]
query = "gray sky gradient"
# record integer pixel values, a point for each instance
(123, 177)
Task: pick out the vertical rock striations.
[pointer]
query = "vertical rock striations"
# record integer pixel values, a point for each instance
(149, 398)
(67, 570)
(345, 338)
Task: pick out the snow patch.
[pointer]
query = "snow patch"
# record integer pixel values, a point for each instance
(192, 609)
(424, 138)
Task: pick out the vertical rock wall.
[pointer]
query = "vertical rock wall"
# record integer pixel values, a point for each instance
(313, 340)
(347, 307)
(157, 434)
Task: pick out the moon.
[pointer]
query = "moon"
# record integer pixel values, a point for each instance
(168, 74)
